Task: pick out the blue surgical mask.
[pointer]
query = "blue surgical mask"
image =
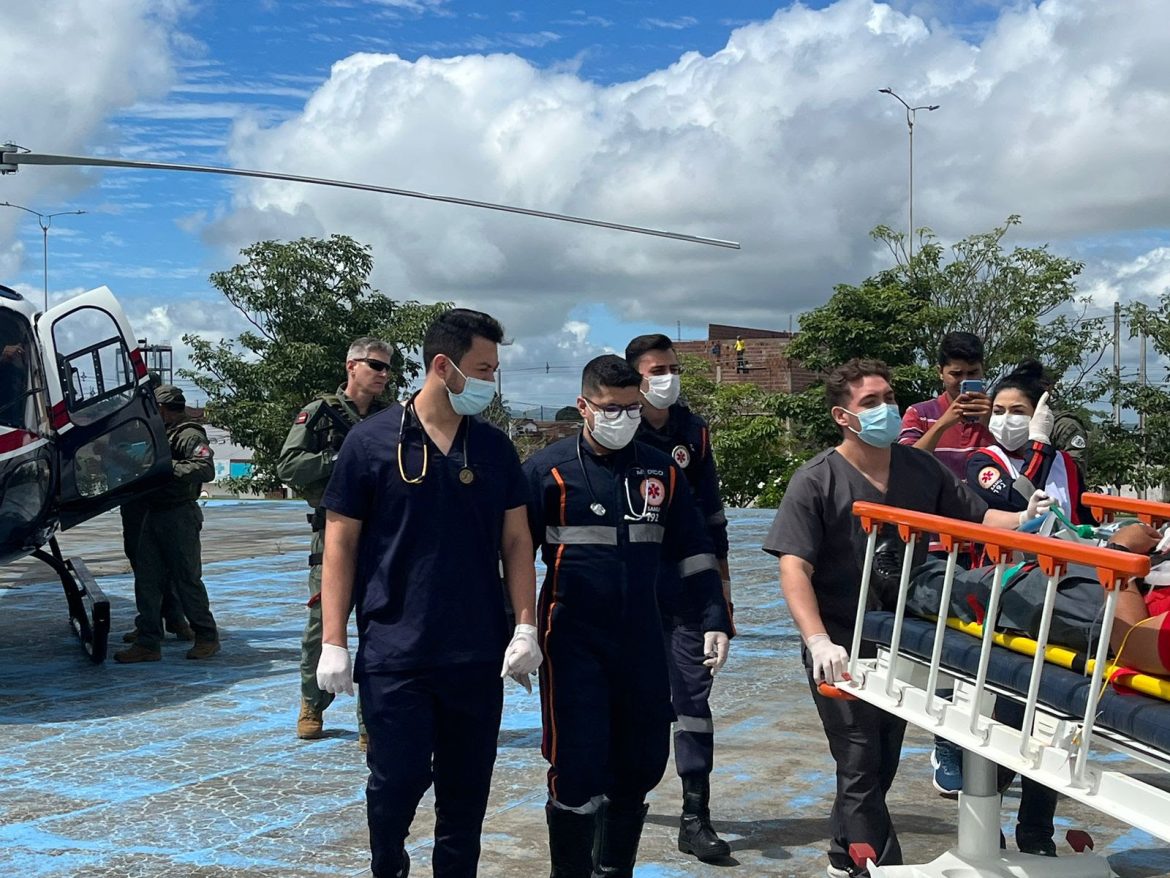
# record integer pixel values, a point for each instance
(880, 425)
(476, 395)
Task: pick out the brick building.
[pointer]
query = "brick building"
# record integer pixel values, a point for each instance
(768, 365)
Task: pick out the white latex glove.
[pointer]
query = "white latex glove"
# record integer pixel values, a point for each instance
(522, 657)
(1038, 504)
(715, 647)
(334, 670)
(829, 660)
(1041, 423)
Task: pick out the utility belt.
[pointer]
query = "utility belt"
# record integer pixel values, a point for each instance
(316, 518)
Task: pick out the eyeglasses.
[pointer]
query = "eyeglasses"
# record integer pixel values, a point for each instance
(376, 365)
(613, 412)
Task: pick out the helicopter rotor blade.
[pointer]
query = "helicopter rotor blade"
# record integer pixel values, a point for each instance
(12, 156)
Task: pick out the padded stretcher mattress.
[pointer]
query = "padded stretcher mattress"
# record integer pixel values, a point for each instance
(1066, 692)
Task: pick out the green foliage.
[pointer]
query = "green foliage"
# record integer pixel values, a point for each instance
(567, 413)
(1023, 303)
(306, 301)
(754, 456)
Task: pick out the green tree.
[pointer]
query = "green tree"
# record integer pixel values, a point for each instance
(754, 455)
(1022, 303)
(306, 300)
(567, 413)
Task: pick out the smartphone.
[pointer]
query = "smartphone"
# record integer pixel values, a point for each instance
(971, 385)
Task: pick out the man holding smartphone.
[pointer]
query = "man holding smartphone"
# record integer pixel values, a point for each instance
(953, 424)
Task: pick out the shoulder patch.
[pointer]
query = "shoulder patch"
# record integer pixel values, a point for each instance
(988, 476)
(653, 491)
(301, 417)
(1077, 441)
(203, 451)
(681, 455)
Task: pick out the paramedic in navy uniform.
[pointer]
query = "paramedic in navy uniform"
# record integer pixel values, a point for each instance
(670, 426)
(424, 501)
(609, 515)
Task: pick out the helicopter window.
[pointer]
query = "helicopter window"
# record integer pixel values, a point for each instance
(116, 458)
(94, 364)
(16, 353)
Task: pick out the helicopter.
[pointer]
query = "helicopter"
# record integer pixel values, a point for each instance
(80, 431)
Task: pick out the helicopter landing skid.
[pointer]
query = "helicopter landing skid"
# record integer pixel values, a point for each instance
(89, 608)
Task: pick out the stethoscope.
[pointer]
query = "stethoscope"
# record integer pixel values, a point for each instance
(599, 510)
(466, 473)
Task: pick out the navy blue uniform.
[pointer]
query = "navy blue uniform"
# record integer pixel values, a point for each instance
(605, 691)
(431, 625)
(685, 438)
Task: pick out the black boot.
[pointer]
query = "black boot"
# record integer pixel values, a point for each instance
(570, 842)
(617, 839)
(695, 833)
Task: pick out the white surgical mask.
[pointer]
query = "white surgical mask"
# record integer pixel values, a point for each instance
(663, 390)
(1010, 431)
(616, 434)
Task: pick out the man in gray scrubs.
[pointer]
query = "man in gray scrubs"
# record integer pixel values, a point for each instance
(821, 548)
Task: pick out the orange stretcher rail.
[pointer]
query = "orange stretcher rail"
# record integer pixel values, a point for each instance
(1107, 505)
(1052, 555)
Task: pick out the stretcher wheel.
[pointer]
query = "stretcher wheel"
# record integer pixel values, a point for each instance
(861, 852)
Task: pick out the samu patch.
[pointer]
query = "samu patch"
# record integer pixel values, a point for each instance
(988, 476)
(654, 492)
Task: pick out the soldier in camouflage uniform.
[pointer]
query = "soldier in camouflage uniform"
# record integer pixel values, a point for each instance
(169, 549)
(306, 461)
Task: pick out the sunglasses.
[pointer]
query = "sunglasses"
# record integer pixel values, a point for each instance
(376, 365)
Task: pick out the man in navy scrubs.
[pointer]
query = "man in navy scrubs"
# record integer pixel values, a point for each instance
(423, 503)
(611, 515)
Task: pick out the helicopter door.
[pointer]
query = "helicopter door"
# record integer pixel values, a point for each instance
(110, 440)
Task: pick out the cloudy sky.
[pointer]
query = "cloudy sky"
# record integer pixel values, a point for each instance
(744, 120)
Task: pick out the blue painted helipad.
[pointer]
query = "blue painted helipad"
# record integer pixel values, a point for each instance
(183, 768)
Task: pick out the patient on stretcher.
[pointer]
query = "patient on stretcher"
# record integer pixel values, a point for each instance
(1140, 638)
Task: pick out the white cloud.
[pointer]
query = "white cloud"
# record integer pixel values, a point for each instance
(680, 23)
(68, 68)
(779, 140)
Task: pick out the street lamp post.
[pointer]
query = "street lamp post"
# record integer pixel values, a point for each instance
(45, 220)
(910, 119)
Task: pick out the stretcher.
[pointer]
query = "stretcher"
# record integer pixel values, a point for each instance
(1081, 737)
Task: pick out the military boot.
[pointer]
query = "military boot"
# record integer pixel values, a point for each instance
(695, 833)
(182, 631)
(203, 649)
(135, 653)
(310, 723)
(570, 842)
(618, 837)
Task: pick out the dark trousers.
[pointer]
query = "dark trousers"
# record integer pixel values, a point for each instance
(133, 517)
(690, 693)
(438, 725)
(1037, 802)
(606, 724)
(169, 553)
(866, 743)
